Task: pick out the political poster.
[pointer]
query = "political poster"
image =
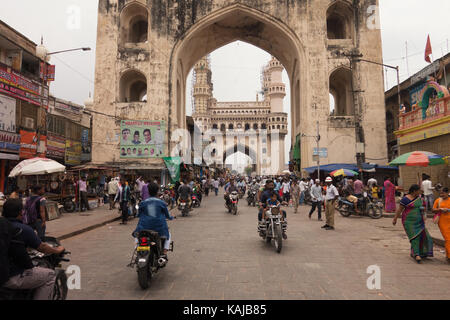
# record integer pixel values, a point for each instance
(142, 139)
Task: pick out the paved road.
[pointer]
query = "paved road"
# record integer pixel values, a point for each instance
(220, 256)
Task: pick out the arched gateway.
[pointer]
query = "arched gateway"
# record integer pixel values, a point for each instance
(311, 39)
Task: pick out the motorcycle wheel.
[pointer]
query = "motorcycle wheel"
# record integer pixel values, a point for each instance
(278, 240)
(69, 206)
(268, 239)
(375, 212)
(235, 210)
(344, 211)
(144, 276)
(60, 290)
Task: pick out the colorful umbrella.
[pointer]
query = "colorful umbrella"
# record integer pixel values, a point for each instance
(418, 159)
(344, 172)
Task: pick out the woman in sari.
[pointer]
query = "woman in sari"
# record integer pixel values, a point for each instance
(389, 194)
(411, 210)
(441, 209)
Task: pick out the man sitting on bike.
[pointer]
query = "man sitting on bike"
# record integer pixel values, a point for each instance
(349, 193)
(152, 215)
(185, 193)
(229, 189)
(265, 196)
(23, 275)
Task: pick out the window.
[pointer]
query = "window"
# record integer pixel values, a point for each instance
(133, 87)
(134, 24)
(340, 21)
(341, 92)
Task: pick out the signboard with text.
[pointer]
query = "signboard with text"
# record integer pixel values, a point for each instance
(29, 144)
(56, 146)
(73, 153)
(19, 87)
(142, 139)
(9, 142)
(7, 114)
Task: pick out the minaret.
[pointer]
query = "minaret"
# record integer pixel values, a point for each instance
(276, 88)
(202, 93)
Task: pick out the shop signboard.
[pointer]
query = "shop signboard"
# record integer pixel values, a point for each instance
(73, 153)
(9, 142)
(7, 114)
(85, 145)
(19, 87)
(56, 146)
(29, 144)
(67, 108)
(142, 139)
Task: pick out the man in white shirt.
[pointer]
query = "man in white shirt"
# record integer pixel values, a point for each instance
(371, 183)
(316, 197)
(428, 188)
(330, 198)
(113, 186)
(286, 189)
(303, 186)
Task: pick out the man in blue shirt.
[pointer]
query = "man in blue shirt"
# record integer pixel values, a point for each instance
(152, 215)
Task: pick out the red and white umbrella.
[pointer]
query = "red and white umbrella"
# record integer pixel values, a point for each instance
(36, 166)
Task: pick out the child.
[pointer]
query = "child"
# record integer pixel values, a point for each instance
(375, 190)
(272, 201)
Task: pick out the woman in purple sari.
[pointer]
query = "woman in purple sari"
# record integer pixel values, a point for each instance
(389, 195)
(411, 210)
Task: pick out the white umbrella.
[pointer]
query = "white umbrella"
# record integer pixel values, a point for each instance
(36, 166)
(286, 171)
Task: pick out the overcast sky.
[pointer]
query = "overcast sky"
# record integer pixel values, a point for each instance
(236, 67)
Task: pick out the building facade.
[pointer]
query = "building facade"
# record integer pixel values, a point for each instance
(145, 50)
(422, 122)
(255, 128)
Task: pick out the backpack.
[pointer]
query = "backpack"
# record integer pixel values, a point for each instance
(30, 214)
(5, 241)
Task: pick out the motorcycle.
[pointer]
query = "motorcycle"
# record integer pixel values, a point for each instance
(69, 204)
(273, 227)
(49, 261)
(241, 192)
(183, 207)
(195, 201)
(232, 205)
(165, 196)
(367, 206)
(148, 256)
(133, 204)
(251, 197)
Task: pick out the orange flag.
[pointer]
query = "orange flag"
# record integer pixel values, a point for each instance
(428, 50)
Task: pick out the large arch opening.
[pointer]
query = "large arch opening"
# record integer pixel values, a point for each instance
(133, 24)
(133, 87)
(341, 96)
(241, 23)
(340, 21)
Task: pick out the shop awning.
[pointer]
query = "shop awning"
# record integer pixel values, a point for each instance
(368, 167)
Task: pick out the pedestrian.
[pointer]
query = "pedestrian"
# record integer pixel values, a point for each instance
(143, 188)
(316, 197)
(303, 186)
(428, 188)
(411, 210)
(295, 192)
(371, 182)
(286, 188)
(216, 186)
(389, 195)
(358, 187)
(112, 191)
(330, 199)
(82, 188)
(123, 196)
(34, 211)
(441, 209)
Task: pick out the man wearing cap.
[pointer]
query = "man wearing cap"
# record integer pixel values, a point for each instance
(316, 197)
(330, 199)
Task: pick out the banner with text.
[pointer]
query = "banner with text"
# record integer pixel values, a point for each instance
(73, 153)
(173, 165)
(7, 114)
(142, 139)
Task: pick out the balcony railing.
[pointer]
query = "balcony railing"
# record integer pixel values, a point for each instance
(436, 110)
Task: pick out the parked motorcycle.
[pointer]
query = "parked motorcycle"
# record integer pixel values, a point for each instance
(49, 261)
(183, 206)
(148, 256)
(273, 227)
(195, 201)
(69, 204)
(251, 197)
(366, 205)
(232, 204)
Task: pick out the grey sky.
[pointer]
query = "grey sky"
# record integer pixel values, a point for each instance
(236, 67)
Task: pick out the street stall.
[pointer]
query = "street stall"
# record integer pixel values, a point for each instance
(42, 171)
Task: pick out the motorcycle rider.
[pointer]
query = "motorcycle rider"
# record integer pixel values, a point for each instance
(152, 215)
(349, 193)
(228, 190)
(269, 190)
(185, 193)
(23, 275)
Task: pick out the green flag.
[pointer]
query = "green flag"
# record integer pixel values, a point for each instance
(173, 165)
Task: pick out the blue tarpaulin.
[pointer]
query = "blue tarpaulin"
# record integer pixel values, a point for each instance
(354, 167)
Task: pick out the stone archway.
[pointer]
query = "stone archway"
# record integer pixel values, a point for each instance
(232, 23)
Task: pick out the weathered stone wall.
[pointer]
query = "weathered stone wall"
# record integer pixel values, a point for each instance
(294, 31)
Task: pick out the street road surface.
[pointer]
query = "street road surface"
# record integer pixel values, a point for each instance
(220, 256)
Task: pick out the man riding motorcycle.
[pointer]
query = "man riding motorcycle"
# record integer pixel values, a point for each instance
(263, 200)
(23, 275)
(349, 193)
(152, 216)
(228, 190)
(185, 193)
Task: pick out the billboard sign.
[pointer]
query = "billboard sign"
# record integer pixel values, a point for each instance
(142, 139)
